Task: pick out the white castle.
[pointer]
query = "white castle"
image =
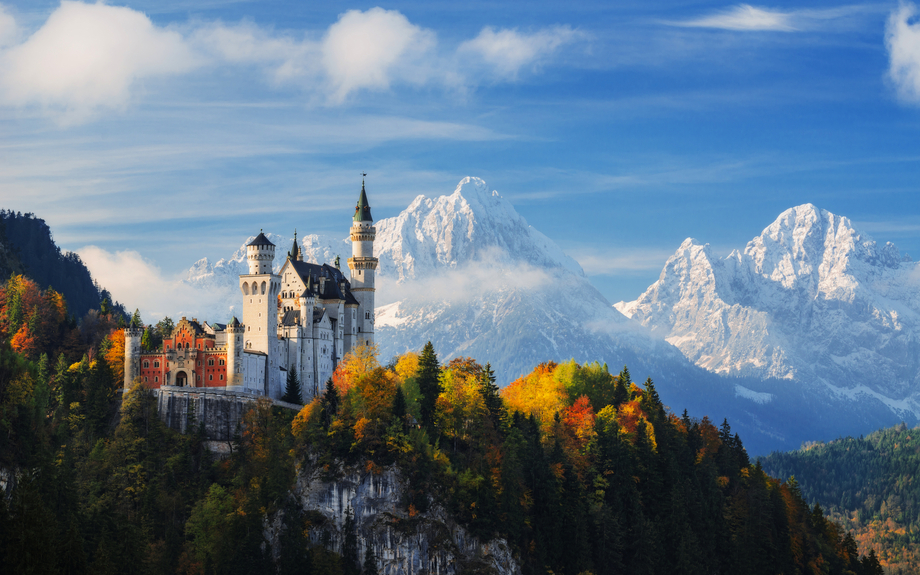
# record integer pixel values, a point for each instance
(304, 318)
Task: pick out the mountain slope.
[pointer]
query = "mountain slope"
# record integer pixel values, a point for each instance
(811, 300)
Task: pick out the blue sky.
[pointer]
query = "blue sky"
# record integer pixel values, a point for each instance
(161, 132)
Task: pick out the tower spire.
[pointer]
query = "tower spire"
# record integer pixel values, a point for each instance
(363, 209)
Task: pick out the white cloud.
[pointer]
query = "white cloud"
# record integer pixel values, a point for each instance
(902, 37)
(368, 49)
(87, 57)
(745, 17)
(138, 283)
(8, 29)
(507, 51)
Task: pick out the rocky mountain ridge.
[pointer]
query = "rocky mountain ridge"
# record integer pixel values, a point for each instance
(811, 299)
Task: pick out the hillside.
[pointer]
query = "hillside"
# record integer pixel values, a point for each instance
(868, 485)
(31, 242)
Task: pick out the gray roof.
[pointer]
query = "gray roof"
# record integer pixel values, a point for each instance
(260, 240)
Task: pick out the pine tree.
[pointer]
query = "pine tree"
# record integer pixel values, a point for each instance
(399, 407)
(429, 384)
(329, 404)
(292, 388)
(146, 340)
(350, 546)
(493, 400)
(135, 319)
(370, 562)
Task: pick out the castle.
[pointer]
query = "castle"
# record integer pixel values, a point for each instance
(304, 318)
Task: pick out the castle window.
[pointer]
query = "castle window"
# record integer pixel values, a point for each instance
(156, 380)
(245, 288)
(221, 377)
(221, 362)
(146, 364)
(199, 363)
(145, 379)
(263, 290)
(156, 364)
(210, 362)
(367, 315)
(211, 377)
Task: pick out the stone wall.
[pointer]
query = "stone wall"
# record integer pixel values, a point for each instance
(220, 411)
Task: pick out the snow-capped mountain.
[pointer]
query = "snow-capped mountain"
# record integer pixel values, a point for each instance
(811, 300)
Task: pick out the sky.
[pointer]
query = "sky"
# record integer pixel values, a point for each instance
(149, 134)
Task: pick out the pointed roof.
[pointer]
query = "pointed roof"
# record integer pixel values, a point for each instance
(363, 209)
(260, 240)
(234, 322)
(294, 254)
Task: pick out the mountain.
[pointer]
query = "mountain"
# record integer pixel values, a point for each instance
(811, 300)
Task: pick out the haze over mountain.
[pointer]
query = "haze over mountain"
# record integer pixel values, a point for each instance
(811, 300)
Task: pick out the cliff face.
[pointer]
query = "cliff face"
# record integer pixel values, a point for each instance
(428, 543)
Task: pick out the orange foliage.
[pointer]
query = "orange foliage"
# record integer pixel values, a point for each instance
(24, 342)
(460, 409)
(115, 356)
(579, 418)
(628, 417)
(357, 362)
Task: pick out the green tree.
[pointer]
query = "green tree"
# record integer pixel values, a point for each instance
(292, 388)
(429, 383)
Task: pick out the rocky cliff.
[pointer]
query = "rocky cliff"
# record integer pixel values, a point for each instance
(403, 543)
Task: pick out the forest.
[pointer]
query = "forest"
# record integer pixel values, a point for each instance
(578, 469)
(868, 485)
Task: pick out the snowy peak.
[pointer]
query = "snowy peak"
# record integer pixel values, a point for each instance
(468, 226)
(811, 298)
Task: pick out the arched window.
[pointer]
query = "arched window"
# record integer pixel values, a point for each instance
(145, 379)
(263, 288)
(146, 364)
(221, 362)
(255, 288)
(156, 364)
(245, 288)
(211, 377)
(156, 380)
(210, 362)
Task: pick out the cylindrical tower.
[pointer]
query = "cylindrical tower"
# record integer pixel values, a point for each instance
(132, 354)
(260, 253)
(363, 266)
(234, 350)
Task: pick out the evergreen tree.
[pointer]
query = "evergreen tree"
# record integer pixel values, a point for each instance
(370, 562)
(429, 384)
(329, 404)
(399, 407)
(493, 401)
(350, 546)
(135, 319)
(146, 340)
(292, 388)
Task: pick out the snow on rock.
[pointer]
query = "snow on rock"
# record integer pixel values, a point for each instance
(810, 299)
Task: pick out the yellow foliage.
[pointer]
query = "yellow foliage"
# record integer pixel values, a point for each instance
(407, 366)
(356, 363)
(460, 407)
(537, 393)
(304, 416)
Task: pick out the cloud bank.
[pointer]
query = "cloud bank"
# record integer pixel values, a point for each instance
(87, 58)
(138, 283)
(747, 18)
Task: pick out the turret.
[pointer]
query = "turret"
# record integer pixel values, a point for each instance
(260, 253)
(133, 335)
(235, 332)
(363, 265)
(260, 296)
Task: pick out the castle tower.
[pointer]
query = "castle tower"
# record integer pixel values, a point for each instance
(363, 266)
(133, 335)
(260, 297)
(235, 334)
